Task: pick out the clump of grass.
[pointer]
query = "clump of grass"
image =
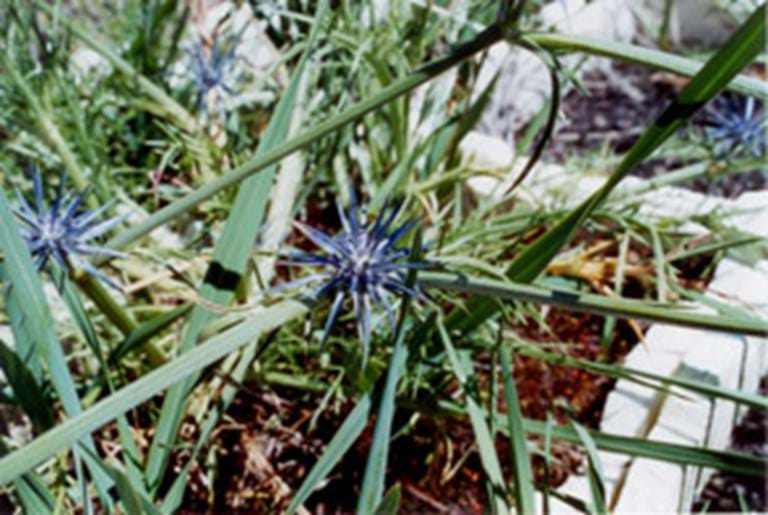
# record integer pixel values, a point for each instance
(376, 100)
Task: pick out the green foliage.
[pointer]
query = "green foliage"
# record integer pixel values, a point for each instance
(377, 99)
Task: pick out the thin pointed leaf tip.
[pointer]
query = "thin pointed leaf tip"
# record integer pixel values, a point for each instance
(64, 230)
(363, 262)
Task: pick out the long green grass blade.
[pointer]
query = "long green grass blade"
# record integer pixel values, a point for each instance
(521, 461)
(626, 445)
(596, 476)
(463, 370)
(230, 258)
(661, 451)
(70, 431)
(622, 372)
(640, 55)
(36, 318)
(372, 489)
(591, 303)
(338, 446)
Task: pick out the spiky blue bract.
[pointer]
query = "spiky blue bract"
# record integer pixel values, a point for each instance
(65, 231)
(736, 124)
(213, 70)
(363, 262)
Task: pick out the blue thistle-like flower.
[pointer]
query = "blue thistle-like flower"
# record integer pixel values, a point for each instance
(736, 123)
(213, 71)
(65, 232)
(362, 262)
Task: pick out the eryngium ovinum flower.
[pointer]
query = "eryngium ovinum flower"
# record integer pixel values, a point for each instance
(736, 124)
(65, 231)
(213, 71)
(362, 262)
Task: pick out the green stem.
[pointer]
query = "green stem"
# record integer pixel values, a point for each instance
(585, 302)
(115, 313)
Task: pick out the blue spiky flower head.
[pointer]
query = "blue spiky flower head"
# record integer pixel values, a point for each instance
(736, 124)
(213, 70)
(363, 262)
(65, 231)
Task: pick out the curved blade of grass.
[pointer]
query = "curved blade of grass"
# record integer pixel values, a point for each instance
(35, 318)
(130, 396)
(261, 161)
(738, 52)
(591, 303)
(521, 461)
(549, 126)
(230, 257)
(463, 370)
(596, 476)
(635, 54)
